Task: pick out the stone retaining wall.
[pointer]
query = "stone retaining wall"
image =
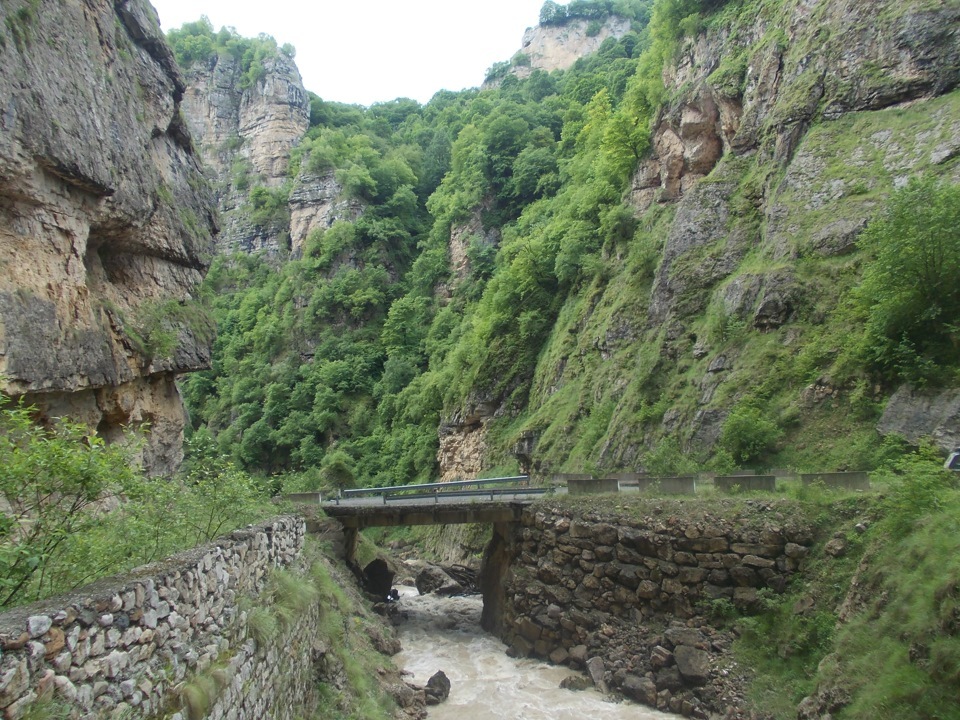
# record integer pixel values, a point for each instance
(127, 647)
(633, 596)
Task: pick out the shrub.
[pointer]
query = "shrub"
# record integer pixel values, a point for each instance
(918, 486)
(747, 434)
(55, 537)
(51, 477)
(909, 293)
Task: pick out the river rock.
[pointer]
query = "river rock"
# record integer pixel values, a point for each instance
(596, 669)
(693, 664)
(640, 689)
(669, 679)
(438, 688)
(433, 579)
(578, 654)
(576, 683)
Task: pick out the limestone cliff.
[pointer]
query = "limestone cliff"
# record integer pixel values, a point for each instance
(557, 47)
(315, 203)
(105, 220)
(245, 135)
(247, 132)
(813, 113)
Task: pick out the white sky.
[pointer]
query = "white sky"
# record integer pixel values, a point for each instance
(366, 51)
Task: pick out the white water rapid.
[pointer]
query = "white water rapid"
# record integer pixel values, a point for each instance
(444, 634)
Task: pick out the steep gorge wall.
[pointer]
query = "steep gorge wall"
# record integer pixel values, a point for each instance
(245, 136)
(782, 136)
(557, 47)
(625, 596)
(105, 220)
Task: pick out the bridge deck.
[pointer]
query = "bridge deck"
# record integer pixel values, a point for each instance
(426, 513)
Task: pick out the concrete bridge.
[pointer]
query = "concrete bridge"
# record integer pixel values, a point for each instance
(487, 500)
(498, 502)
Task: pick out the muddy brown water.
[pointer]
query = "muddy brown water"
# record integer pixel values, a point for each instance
(444, 634)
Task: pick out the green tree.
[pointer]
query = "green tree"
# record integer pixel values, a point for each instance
(910, 293)
(552, 13)
(51, 479)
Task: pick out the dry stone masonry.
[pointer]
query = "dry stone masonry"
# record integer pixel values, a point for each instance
(127, 647)
(626, 598)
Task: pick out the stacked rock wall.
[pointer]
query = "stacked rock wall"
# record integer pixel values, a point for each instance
(629, 599)
(131, 647)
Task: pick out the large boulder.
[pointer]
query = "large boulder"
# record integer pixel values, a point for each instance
(433, 579)
(438, 688)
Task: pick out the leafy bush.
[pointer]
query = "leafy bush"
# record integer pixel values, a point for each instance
(909, 293)
(667, 459)
(268, 206)
(747, 433)
(917, 485)
(52, 478)
(59, 482)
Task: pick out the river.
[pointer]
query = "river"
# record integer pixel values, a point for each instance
(444, 634)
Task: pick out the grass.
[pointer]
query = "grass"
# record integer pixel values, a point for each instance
(198, 696)
(262, 625)
(895, 651)
(344, 627)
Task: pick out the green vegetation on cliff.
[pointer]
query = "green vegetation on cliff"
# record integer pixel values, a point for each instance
(76, 509)
(197, 42)
(510, 265)
(871, 627)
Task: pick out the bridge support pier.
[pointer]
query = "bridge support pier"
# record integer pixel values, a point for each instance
(493, 574)
(350, 537)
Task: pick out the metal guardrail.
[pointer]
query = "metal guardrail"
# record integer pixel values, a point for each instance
(492, 493)
(455, 488)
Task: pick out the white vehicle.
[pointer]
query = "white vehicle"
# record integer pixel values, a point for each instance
(953, 461)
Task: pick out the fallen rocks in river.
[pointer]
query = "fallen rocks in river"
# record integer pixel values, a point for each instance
(451, 580)
(411, 697)
(576, 682)
(438, 688)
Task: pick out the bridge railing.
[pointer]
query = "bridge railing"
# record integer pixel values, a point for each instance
(435, 490)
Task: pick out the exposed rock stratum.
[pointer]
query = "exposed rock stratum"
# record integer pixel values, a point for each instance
(105, 221)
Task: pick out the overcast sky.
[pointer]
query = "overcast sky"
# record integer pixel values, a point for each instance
(365, 51)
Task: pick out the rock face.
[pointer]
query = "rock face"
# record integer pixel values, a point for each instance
(259, 124)
(557, 47)
(917, 415)
(105, 221)
(781, 140)
(463, 235)
(245, 136)
(463, 443)
(316, 203)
